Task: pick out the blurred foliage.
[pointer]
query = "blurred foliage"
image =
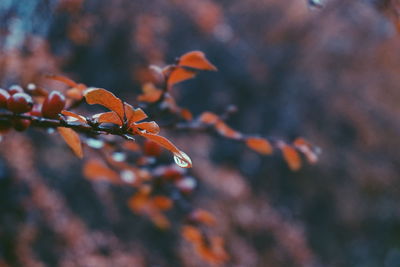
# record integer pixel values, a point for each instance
(329, 74)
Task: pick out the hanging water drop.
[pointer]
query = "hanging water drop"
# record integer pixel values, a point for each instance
(182, 160)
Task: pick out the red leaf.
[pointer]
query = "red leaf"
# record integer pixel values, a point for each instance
(196, 60)
(72, 139)
(259, 145)
(105, 98)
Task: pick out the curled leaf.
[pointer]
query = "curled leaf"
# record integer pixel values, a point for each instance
(259, 145)
(196, 60)
(74, 115)
(150, 127)
(72, 139)
(108, 117)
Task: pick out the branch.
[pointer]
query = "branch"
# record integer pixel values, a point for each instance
(89, 129)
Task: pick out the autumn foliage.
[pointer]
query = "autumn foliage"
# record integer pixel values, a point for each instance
(121, 119)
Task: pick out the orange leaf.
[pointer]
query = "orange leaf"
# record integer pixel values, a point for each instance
(186, 114)
(72, 139)
(74, 93)
(95, 170)
(203, 216)
(62, 79)
(291, 156)
(208, 118)
(134, 115)
(150, 93)
(306, 148)
(179, 75)
(151, 148)
(162, 202)
(192, 234)
(227, 131)
(105, 98)
(196, 60)
(150, 127)
(138, 202)
(107, 117)
(259, 145)
(74, 115)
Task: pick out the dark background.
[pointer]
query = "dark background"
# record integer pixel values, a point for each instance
(330, 75)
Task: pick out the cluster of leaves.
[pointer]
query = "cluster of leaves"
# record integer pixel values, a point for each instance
(159, 186)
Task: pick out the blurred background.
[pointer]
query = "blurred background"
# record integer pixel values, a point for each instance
(328, 74)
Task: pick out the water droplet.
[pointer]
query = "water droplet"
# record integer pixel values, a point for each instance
(50, 130)
(119, 156)
(94, 143)
(128, 176)
(182, 160)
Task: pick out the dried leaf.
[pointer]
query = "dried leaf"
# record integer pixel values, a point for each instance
(105, 98)
(291, 157)
(179, 75)
(259, 145)
(108, 117)
(72, 139)
(95, 170)
(196, 60)
(74, 115)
